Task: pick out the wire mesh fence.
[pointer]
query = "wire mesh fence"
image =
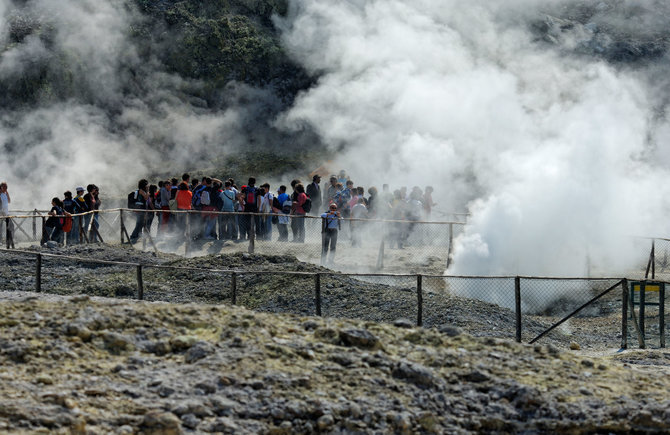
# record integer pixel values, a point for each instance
(521, 308)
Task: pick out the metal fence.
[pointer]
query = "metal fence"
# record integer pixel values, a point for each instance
(526, 309)
(362, 245)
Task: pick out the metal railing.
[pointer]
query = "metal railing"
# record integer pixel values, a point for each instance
(362, 243)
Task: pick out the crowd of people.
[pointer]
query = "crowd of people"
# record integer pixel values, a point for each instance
(60, 224)
(258, 208)
(247, 208)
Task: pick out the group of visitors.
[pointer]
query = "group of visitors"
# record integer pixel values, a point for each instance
(60, 223)
(337, 199)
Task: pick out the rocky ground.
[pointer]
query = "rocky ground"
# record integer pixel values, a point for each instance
(84, 358)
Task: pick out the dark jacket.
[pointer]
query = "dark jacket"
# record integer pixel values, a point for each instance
(314, 192)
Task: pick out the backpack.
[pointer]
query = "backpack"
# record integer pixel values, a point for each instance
(307, 205)
(286, 207)
(67, 222)
(132, 199)
(217, 200)
(196, 201)
(250, 195)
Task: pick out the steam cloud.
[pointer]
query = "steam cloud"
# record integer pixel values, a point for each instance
(558, 157)
(128, 116)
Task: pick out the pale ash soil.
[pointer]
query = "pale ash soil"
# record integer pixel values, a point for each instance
(80, 364)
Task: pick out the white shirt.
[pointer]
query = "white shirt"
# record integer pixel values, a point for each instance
(5, 203)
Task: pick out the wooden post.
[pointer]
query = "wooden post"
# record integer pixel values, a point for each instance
(653, 259)
(44, 232)
(419, 300)
(317, 293)
(450, 247)
(121, 224)
(140, 283)
(38, 274)
(517, 307)
(252, 233)
(35, 224)
(661, 313)
(233, 287)
(187, 245)
(643, 290)
(624, 314)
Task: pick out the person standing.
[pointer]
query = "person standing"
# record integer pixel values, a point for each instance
(78, 221)
(330, 225)
(285, 205)
(183, 199)
(141, 204)
(331, 190)
(298, 220)
(5, 200)
(314, 192)
(53, 224)
(165, 196)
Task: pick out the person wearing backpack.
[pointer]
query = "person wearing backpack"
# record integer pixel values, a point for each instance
(298, 221)
(227, 221)
(54, 223)
(207, 201)
(285, 206)
(69, 206)
(141, 204)
(266, 206)
(251, 200)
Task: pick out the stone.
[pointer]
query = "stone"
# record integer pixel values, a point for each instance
(198, 351)
(161, 423)
(403, 323)
(359, 338)
(450, 331)
(414, 373)
(325, 422)
(206, 387)
(575, 346)
(182, 342)
(190, 421)
(116, 343)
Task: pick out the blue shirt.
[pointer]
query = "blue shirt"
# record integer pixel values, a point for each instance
(282, 197)
(332, 220)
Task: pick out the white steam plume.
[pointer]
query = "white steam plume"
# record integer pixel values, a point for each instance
(550, 152)
(127, 126)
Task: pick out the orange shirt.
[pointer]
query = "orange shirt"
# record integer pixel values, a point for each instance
(183, 199)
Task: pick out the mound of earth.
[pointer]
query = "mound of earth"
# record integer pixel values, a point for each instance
(96, 365)
(262, 284)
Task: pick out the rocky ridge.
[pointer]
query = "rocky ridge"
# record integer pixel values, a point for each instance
(94, 365)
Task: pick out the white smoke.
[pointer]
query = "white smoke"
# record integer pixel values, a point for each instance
(553, 154)
(130, 125)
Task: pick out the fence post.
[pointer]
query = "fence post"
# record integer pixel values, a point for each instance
(35, 224)
(44, 232)
(419, 300)
(643, 296)
(517, 307)
(187, 245)
(140, 283)
(451, 240)
(624, 314)
(38, 274)
(252, 233)
(121, 224)
(233, 287)
(661, 313)
(317, 293)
